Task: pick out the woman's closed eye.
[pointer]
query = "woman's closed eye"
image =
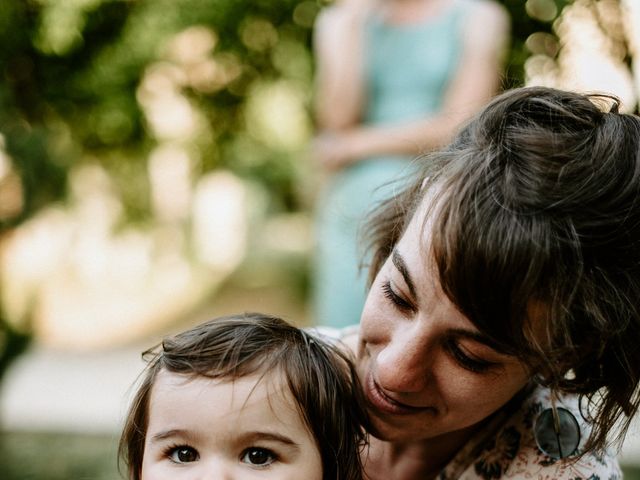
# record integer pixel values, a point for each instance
(395, 298)
(472, 363)
(258, 457)
(182, 454)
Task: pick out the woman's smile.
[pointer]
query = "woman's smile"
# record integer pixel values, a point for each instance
(386, 404)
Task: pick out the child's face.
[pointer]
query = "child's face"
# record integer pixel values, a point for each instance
(243, 429)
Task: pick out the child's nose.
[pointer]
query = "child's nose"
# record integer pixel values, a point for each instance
(218, 469)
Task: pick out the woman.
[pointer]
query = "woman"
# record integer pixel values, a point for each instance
(505, 285)
(395, 78)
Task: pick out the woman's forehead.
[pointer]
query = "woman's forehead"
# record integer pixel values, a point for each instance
(417, 238)
(415, 248)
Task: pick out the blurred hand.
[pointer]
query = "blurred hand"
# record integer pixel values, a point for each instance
(332, 151)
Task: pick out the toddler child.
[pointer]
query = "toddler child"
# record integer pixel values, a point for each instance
(242, 397)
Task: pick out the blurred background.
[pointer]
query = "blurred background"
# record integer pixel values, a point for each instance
(154, 173)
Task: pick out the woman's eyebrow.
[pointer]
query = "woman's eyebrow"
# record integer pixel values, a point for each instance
(401, 266)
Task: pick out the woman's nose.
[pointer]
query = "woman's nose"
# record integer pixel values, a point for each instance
(404, 365)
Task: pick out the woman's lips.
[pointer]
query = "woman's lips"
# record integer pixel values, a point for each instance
(385, 404)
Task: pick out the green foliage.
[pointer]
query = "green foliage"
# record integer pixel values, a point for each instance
(73, 90)
(76, 66)
(73, 73)
(58, 456)
(522, 26)
(12, 344)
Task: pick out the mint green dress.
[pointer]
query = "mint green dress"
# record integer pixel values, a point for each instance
(407, 69)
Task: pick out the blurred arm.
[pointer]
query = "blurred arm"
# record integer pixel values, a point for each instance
(339, 52)
(485, 37)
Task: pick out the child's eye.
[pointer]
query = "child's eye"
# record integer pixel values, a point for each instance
(259, 457)
(183, 454)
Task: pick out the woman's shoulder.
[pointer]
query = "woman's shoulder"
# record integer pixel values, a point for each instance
(486, 8)
(486, 22)
(510, 450)
(485, 28)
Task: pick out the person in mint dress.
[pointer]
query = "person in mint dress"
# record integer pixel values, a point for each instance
(395, 79)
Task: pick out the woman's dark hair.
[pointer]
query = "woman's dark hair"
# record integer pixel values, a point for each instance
(535, 232)
(320, 376)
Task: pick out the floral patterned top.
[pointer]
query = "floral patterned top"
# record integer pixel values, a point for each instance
(506, 448)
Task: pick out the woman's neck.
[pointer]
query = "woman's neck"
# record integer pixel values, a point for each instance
(413, 460)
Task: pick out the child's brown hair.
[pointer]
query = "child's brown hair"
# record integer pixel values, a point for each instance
(320, 376)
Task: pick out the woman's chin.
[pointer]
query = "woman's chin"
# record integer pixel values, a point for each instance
(390, 433)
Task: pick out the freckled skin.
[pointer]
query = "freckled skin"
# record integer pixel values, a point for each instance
(405, 355)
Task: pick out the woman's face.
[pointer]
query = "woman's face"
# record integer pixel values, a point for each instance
(426, 369)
